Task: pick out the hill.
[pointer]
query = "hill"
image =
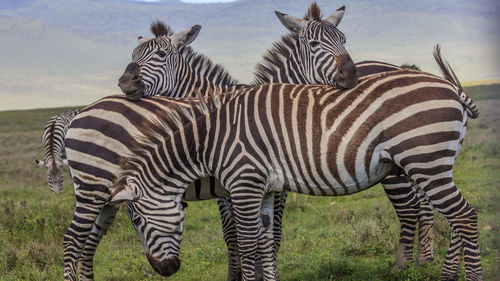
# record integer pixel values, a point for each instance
(62, 52)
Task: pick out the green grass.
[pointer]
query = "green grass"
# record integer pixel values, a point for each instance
(324, 238)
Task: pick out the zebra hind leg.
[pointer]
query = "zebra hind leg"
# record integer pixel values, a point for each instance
(425, 231)
(77, 234)
(405, 203)
(445, 197)
(86, 261)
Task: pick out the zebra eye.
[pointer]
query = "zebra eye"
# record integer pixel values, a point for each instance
(314, 43)
(137, 221)
(161, 53)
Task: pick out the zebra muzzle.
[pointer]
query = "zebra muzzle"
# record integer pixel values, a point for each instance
(165, 267)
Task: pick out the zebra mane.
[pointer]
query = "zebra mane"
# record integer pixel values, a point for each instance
(158, 28)
(207, 66)
(313, 13)
(410, 66)
(177, 114)
(273, 58)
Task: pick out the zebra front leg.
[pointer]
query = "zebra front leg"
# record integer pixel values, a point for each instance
(86, 261)
(405, 201)
(246, 204)
(230, 238)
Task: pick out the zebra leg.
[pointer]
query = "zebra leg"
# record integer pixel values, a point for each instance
(86, 261)
(451, 267)
(246, 202)
(267, 259)
(230, 238)
(445, 197)
(74, 240)
(279, 208)
(405, 202)
(425, 231)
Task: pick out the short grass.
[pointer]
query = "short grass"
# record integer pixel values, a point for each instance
(324, 238)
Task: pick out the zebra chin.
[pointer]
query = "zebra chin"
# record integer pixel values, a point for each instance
(134, 96)
(165, 267)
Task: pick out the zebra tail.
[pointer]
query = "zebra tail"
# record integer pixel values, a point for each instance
(449, 74)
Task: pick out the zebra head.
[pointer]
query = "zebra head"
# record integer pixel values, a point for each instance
(320, 48)
(158, 222)
(54, 173)
(156, 62)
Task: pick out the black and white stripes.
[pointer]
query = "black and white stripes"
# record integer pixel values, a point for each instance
(400, 121)
(53, 143)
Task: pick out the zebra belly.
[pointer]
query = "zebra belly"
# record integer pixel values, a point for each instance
(204, 189)
(347, 184)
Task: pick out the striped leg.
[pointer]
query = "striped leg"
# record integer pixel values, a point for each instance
(78, 232)
(251, 233)
(104, 221)
(279, 208)
(451, 267)
(406, 204)
(267, 262)
(446, 198)
(425, 231)
(230, 238)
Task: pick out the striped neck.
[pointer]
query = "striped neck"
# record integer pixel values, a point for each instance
(281, 64)
(200, 74)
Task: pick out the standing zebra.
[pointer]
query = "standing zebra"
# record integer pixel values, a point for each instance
(285, 64)
(53, 143)
(309, 139)
(164, 65)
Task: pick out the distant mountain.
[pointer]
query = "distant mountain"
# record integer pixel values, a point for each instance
(87, 43)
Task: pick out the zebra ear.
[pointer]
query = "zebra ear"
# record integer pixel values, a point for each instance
(141, 39)
(185, 37)
(39, 162)
(336, 17)
(292, 23)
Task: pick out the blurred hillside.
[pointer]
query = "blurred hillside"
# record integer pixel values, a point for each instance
(67, 52)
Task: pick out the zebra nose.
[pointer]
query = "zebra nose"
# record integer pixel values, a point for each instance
(347, 75)
(130, 80)
(165, 267)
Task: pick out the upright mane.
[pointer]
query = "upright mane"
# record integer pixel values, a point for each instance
(313, 13)
(206, 65)
(158, 28)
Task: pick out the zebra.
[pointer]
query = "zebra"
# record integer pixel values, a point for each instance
(282, 64)
(400, 122)
(53, 142)
(171, 84)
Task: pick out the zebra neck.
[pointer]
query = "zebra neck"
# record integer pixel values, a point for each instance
(282, 64)
(201, 74)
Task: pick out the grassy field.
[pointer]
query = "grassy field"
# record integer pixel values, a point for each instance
(330, 238)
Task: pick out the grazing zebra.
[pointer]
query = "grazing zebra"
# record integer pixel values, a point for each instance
(311, 139)
(182, 70)
(53, 142)
(284, 63)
